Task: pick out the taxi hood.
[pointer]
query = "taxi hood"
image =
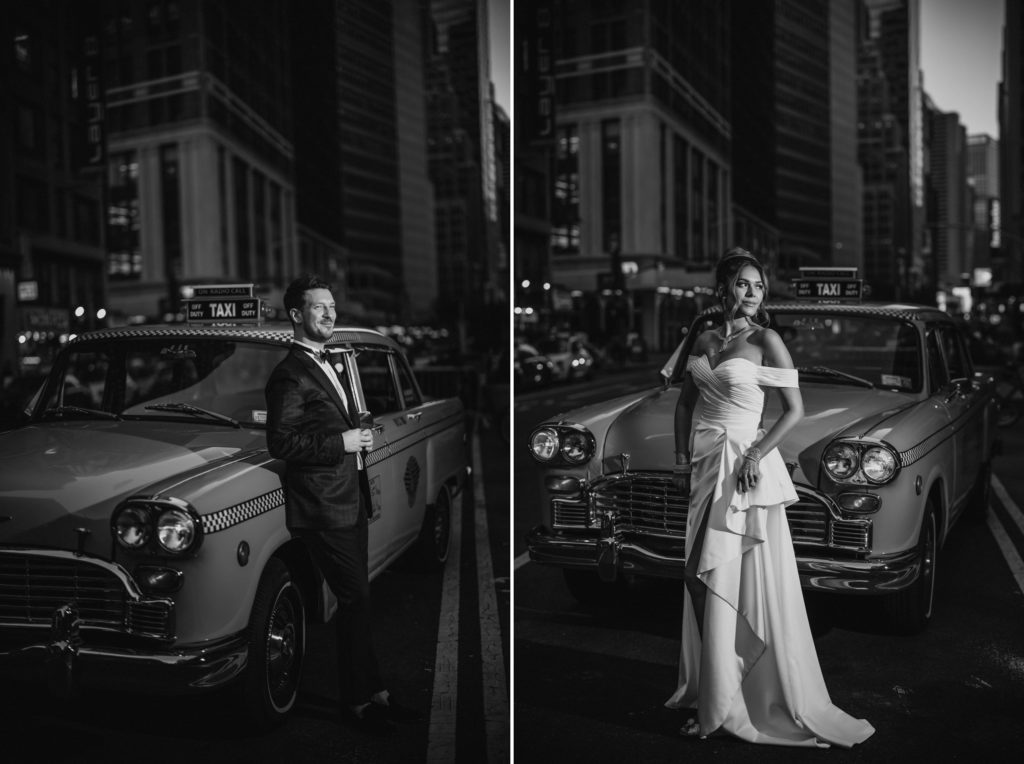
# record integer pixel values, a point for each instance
(642, 437)
(58, 478)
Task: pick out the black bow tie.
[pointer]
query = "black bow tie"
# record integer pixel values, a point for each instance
(320, 355)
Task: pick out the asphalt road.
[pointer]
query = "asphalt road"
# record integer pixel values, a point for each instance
(443, 642)
(590, 684)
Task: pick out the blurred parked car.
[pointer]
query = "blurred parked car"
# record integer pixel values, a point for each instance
(531, 368)
(895, 447)
(570, 358)
(142, 524)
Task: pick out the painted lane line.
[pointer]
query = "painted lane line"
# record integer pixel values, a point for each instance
(495, 687)
(1008, 503)
(1007, 548)
(444, 700)
(521, 560)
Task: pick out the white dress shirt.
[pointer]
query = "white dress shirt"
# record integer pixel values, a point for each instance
(333, 377)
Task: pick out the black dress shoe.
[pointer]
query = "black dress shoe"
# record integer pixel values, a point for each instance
(373, 718)
(399, 713)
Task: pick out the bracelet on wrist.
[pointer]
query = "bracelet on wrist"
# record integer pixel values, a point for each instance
(682, 469)
(753, 454)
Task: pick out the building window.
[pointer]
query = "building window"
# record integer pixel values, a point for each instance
(259, 218)
(170, 204)
(714, 209)
(31, 126)
(565, 228)
(124, 256)
(680, 197)
(697, 206)
(32, 201)
(240, 173)
(611, 185)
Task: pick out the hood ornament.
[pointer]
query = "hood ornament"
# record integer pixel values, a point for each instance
(83, 535)
(624, 458)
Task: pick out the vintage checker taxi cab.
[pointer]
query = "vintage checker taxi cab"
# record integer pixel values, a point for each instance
(894, 449)
(142, 535)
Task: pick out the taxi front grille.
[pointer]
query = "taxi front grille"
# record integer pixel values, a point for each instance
(32, 587)
(642, 503)
(648, 504)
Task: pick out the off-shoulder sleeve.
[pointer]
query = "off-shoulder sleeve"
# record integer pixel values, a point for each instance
(691, 361)
(769, 376)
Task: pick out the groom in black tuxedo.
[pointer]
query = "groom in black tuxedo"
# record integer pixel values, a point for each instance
(313, 425)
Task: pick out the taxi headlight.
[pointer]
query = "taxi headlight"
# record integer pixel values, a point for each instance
(132, 527)
(841, 461)
(878, 464)
(544, 444)
(175, 530)
(577, 446)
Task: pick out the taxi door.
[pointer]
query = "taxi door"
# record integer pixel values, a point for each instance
(361, 366)
(396, 466)
(963, 401)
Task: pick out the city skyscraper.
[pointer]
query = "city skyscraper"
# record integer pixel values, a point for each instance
(462, 164)
(52, 160)
(1011, 148)
(950, 221)
(896, 30)
(641, 177)
(199, 136)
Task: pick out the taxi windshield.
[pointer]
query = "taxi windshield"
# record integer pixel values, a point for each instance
(875, 351)
(215, 380)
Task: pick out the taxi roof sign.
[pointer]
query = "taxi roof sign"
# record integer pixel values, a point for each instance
(829, 284)
(223, 304)
(220, 290)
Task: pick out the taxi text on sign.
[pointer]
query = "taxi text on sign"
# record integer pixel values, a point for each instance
(224, 310)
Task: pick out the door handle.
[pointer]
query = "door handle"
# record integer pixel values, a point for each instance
(377, 428)
(414, 416)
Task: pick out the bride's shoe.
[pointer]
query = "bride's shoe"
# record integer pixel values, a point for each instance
(691, 729)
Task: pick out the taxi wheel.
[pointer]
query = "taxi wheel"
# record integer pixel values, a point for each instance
(911, 609)
(277, 640)
(436, 532)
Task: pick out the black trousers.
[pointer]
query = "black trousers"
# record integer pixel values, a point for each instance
(341, 555)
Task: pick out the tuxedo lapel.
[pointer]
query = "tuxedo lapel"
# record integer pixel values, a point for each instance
(317, 374)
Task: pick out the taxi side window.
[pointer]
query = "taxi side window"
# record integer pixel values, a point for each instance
(378, 384)
(84, 381)
(410, 393)
(936, 367)
(956, 359)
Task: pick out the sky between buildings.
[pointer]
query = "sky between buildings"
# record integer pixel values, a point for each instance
(961, 57)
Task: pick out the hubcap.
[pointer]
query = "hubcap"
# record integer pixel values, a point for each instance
(282, 643)
(928, 564)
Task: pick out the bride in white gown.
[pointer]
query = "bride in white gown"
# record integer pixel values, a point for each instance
(748, 663)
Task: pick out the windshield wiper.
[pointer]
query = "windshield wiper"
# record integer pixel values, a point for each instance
(830, 372)
(62, 410)
(188, 408)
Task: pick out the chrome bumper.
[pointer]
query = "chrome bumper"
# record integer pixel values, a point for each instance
(610, 556)
(66, 662)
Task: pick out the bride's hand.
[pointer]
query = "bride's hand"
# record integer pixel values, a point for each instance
(750, 475)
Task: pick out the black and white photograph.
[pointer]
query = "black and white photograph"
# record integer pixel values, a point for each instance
(254, 320)
(491, 381)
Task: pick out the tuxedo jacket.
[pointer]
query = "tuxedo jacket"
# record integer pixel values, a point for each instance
(305, 422)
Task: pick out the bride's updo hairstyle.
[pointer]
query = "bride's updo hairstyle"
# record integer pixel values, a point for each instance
(727, 273)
